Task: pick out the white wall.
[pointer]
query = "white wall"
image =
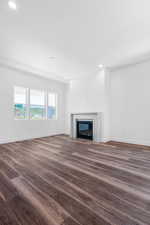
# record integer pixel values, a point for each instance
(130, 104)
(12, 130)
(89, 95)
(123, 96)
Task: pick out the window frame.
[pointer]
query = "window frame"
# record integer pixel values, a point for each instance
(56, 102)
(26, 103)
(29, 104)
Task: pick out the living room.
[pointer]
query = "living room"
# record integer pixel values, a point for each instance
(75, 127)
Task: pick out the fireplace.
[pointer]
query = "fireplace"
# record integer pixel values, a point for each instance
(84, 129)
(95, 122)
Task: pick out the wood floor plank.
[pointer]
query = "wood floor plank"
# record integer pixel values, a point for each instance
(61, 181)
(6, 216)
(8, 170)
(7, 190)
(73, 206)
(24, 213)
(46, 206)
(90, 187)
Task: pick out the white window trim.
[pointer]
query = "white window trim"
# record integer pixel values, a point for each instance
(26, 103)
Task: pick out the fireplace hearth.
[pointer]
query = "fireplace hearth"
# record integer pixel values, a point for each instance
(84, 129)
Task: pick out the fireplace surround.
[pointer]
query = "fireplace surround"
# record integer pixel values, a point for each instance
(97, 124)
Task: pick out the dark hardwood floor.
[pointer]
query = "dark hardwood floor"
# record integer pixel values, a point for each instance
(60, 181)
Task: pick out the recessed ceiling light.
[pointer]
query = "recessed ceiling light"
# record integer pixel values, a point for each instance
(100, 66)
(12, 4)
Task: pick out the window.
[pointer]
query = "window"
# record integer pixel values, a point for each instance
(37, 105)
(52, 106)
(20, 102)
(34, 104)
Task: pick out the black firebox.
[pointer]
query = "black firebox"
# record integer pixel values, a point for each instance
(85, 129)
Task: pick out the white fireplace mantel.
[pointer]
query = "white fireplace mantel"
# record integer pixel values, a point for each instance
(96, 117)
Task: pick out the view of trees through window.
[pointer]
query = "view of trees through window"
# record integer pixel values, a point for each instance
(37, 105)
(34, 104)
(20, 102)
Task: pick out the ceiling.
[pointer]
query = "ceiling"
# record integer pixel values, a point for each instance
(68, 39)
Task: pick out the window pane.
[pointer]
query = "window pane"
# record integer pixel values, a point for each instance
(20, 107)
(52, 106)
(37, 105)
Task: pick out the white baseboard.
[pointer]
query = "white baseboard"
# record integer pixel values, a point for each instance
(11, 140)
(103, 139)
(106, 139)
(131, 140)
